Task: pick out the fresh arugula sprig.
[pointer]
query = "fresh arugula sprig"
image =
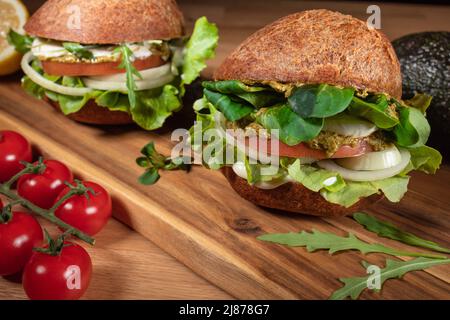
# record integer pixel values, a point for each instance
(388, 230)
(131, 71)
(153, 161)
(22, 43)
(78, 50)
(353, 287)
(317, 240)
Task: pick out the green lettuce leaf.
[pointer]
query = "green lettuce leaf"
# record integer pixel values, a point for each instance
(32, 88)
(393, 188)
(425, 159)
(315, 179)
(420, 101)
(200, 47)
(114, 101)
(375, 109)
(320, 101)
(413, 129)
(293, 129)
(153, 107)
(232, 87)
(22, 43)
(233, 110)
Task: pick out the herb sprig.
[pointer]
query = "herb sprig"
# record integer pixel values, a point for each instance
(153, 161)
(131, 71)
(78, 50)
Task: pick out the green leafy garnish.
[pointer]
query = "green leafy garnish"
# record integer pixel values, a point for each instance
(317, 240)
(394, 269)
(153, 161)
(22, 43)
(200, 47)
(231, 87)
(420, 101)
(233, 110)
(131, 71)
(374, 108)
(413, 129)
(293, 129)
(425, 159)
(388, 230)
(320, 101)
(79, 50)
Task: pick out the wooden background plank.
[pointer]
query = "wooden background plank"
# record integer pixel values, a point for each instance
(200, 221)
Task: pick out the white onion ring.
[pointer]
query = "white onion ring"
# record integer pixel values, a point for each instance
(354, 175)
(122, 86)
(147, 74)
(47, 84)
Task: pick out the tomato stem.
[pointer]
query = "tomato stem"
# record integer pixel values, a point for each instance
(15, 199)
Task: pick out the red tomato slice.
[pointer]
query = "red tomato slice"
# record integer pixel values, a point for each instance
(96, 69)
(302, 150)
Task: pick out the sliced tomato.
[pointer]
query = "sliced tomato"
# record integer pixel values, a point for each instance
(97, 69)
(302, 150)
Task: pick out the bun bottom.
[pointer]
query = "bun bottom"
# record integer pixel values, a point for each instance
(293, 197)
(92, 113)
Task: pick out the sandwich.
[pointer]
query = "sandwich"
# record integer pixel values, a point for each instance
(323, 91)
(113, 61)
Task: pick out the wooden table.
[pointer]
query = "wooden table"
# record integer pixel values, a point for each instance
(127, 266)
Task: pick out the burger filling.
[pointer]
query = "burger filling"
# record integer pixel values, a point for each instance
(342, 142)
(144, 79)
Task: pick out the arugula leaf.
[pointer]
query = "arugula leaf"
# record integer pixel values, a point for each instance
(420, 101)
(293, 129)
(131, 71)
(353, 287)
(200, 47)
(22, 43)
(78, 50)
(374, 108)
(388, 230)
(317, 240)
(413, 129)
(320, 101)
(233, 110)
(153, 161)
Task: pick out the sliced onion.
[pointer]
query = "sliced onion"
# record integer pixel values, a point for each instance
(122, 86)
(349, 126)
(47, 84)
(148, 74)
(355, 175)
(239, 170)
(373, 160)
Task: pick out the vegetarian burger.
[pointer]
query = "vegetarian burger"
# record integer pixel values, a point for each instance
(332, 88)
(112, 61)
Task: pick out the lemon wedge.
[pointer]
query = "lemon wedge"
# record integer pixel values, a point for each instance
(13, 15)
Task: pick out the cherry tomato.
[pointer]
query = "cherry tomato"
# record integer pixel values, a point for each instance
(18, 237)
(14, 148)
(42, 189)
(97, 69)
(65, 276)
(88, 214)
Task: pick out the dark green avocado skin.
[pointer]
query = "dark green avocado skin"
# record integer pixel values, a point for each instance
(425, 63)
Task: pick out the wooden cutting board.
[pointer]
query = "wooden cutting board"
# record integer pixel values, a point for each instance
(198, 219)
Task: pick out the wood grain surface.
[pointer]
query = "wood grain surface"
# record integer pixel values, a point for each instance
(199, 220)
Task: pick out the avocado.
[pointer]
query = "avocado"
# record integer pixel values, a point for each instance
(425, 64)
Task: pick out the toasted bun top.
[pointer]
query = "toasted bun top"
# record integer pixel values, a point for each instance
(107, 21)
(317, 46)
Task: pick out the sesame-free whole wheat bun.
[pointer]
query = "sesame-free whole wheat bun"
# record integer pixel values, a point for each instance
(317, 46)
(312, 47)
(104, 22)
(107, 21)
